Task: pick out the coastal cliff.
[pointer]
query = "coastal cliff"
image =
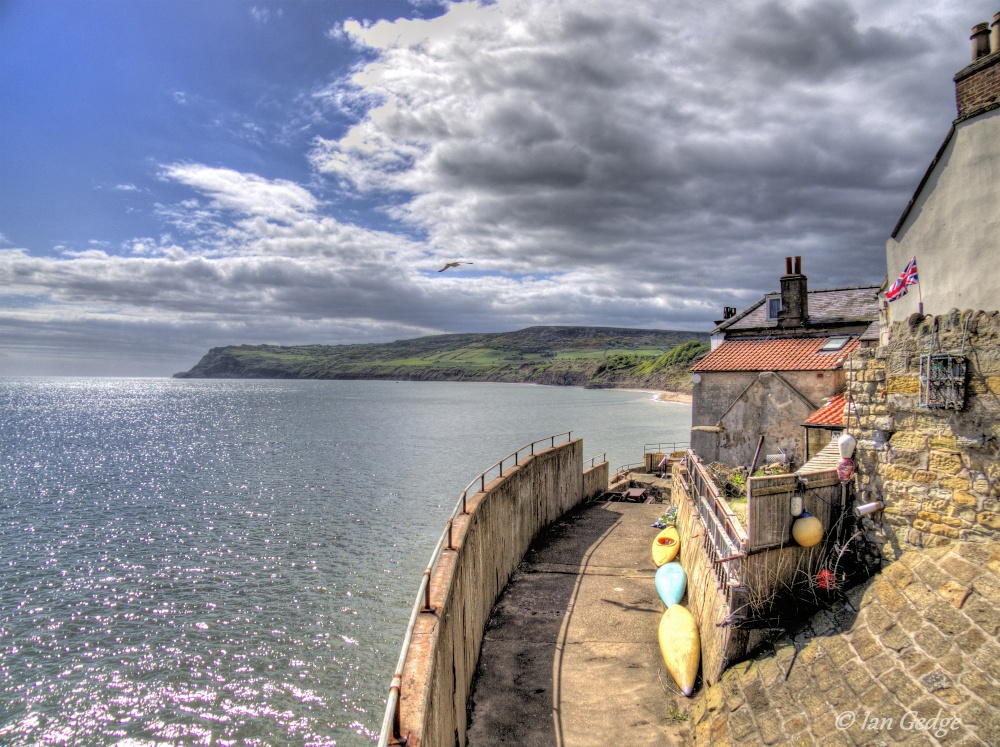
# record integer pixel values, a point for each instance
(595, 357)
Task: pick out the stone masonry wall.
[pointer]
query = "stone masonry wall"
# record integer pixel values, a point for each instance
(936, 470)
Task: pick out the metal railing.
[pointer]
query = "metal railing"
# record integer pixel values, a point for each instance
(391, 725)
(725, 539)
(595, 460)
(626, 468)
(667, 447)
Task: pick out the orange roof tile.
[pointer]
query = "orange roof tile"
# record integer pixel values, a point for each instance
(791, 354)
(832, 413)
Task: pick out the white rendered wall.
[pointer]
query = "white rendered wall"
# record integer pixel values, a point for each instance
(954, 227)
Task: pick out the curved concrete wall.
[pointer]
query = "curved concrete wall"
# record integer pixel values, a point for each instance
(489, 542)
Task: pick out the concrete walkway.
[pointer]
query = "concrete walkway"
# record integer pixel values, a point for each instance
(570, 655)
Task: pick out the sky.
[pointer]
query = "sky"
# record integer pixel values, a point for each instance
(177, 175)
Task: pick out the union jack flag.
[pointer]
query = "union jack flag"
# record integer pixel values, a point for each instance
(906, 279)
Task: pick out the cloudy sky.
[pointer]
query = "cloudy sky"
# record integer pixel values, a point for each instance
(182, 174)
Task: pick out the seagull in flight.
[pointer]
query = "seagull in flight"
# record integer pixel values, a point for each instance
(453, 264)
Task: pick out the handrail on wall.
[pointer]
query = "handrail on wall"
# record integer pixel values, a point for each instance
(391, 721)
(595, 460)
(674, 446)
(628, 467)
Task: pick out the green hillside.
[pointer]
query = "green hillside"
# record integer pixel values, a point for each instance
(573, 356)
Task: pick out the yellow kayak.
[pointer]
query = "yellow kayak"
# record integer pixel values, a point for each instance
(680, 646)
(665, 546)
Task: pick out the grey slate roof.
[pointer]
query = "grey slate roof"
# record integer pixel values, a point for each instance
(857, 303)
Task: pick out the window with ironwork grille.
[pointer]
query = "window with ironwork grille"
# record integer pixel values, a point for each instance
(942, 381)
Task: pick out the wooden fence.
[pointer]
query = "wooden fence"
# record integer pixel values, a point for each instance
(734, 574)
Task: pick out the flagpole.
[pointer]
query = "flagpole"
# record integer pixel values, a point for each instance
(920, 294)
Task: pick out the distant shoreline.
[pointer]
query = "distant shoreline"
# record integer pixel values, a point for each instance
(682, 397)
(660, 395)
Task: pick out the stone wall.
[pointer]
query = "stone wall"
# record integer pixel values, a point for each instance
(489, 543)
(936, 470)
(732, 409)
(916, 643)
(706, 599)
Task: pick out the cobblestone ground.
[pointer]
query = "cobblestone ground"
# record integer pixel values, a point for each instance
(910, 658)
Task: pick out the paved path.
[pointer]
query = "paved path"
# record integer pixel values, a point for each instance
(915, 644)
(570, 656)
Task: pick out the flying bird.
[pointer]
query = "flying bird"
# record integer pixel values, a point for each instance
(453, 264)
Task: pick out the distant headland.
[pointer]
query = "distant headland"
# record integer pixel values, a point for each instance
(594, 357)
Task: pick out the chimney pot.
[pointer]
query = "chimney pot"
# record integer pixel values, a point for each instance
(980, 40)
(995, 36)
(798, 265)
(788, 265)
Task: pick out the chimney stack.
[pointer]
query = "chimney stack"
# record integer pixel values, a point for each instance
(794, 310)
(977, 87)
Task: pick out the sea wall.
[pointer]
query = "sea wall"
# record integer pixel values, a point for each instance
(936, 469)
(595, 481)
(489, 543)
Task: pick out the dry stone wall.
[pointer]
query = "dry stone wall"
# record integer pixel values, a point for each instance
(936, 470)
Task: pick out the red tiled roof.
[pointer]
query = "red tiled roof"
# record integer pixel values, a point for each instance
(832, 413)
(793, 354)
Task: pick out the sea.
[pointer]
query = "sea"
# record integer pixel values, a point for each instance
(233, 562)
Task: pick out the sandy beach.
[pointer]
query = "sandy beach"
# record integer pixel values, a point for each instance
(663, 396)
(682, 397)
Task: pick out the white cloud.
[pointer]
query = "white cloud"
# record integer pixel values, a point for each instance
(640, 165)
(263, 15)
(247, 194)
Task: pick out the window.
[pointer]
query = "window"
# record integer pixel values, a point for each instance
(834, 344)
(773, 307)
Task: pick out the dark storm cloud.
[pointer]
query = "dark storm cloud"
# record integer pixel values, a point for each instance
(712, 133)
(639, 165)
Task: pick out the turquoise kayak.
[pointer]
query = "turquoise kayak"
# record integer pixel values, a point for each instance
(671, 581)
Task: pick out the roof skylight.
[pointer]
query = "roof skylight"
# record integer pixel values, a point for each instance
(833, 344)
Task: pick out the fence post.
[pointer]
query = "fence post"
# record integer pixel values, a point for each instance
(427, 592)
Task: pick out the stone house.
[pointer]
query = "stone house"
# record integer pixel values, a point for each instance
(773, 365)
(928, 399)
(952, 224)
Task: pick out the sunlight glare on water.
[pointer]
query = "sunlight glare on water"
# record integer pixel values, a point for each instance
(233, 562)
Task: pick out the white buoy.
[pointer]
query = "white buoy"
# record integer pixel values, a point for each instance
(846, 443)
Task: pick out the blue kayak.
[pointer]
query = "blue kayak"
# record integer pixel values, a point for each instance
(671, 581)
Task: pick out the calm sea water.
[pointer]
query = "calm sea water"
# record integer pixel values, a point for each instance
(233, 562)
